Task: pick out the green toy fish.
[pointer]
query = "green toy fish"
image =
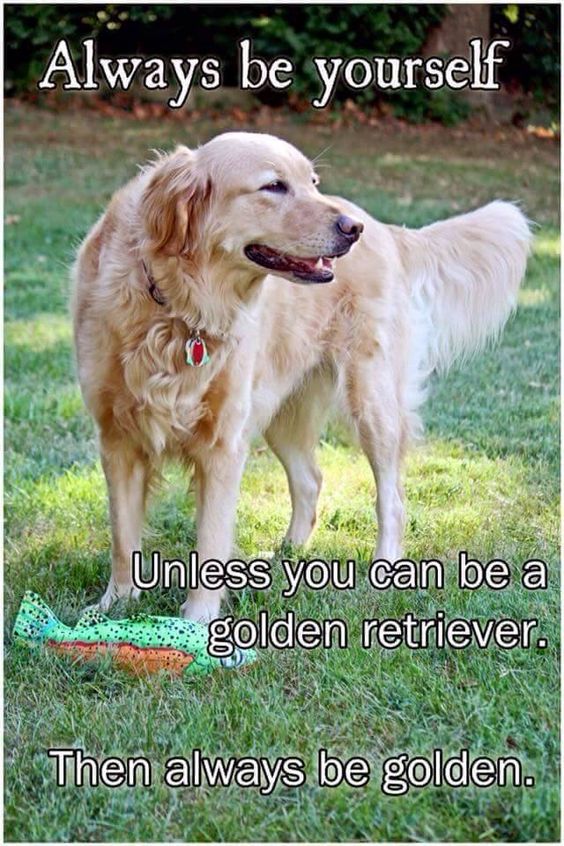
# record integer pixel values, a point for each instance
(141, 644)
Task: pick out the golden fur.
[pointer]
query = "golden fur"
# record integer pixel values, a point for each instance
(403, 303)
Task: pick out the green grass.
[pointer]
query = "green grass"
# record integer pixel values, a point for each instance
(486, 480)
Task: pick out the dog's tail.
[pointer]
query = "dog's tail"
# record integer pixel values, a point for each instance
(465, 274)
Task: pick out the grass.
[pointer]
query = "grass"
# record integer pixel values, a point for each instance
(486, 480)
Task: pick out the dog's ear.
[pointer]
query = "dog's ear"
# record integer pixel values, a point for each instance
(174, 204)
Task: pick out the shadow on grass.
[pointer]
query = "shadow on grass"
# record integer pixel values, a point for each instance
(373, 703)
(457, 499)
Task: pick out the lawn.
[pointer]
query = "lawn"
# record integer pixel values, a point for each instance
(485, 480)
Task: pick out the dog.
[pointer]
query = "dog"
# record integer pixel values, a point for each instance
(221, 295)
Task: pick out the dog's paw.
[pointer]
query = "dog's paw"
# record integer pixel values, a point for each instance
(115, 592)
(391, 552)
(299, 532)
(201, 610)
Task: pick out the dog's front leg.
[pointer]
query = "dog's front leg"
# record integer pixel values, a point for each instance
(127, 472)
(218, 476)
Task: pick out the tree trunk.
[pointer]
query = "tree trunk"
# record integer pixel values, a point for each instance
(461, 23)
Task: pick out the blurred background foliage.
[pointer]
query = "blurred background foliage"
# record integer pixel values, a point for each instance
(532, 66)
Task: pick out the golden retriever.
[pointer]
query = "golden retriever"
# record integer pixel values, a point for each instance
(222, 295)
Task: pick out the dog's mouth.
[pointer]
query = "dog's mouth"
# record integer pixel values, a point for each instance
(316, 269)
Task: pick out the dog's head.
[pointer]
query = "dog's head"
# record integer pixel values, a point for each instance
(250, 200)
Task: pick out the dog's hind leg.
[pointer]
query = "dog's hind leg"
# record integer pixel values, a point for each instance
(373, 405)
(293, 436)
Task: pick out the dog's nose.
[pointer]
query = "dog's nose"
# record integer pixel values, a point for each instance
(350, 228)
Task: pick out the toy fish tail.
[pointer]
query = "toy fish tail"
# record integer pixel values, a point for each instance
(34, 620)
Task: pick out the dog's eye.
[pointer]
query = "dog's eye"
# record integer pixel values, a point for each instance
(277, 187)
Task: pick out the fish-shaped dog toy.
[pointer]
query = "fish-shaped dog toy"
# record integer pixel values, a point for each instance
(141, 644)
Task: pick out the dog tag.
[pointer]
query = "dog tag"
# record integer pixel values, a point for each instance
(196, 351)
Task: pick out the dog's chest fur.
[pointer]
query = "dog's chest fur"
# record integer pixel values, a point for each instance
(184, 409)
(177, 408)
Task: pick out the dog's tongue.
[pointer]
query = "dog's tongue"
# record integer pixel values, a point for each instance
(306, 265)
(310, 269)
(309, 265)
